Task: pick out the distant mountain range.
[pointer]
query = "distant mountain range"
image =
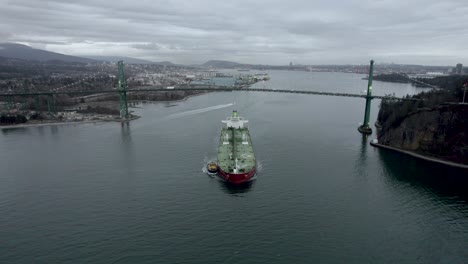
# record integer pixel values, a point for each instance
(223, 64)
(23, 52)
(14, 51)
(118, 58)
(128, 60)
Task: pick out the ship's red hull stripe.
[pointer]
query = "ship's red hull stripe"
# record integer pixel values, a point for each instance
(237, 178)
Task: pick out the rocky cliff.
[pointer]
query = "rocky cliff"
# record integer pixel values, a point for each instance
(439, 131)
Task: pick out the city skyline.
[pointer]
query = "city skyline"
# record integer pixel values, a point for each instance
(260, 32)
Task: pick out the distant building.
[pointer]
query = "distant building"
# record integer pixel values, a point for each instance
(459, 68)
(290, 64)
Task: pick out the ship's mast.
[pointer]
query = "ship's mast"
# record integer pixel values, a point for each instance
(236, 168)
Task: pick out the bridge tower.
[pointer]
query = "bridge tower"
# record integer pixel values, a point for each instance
(365, 128)
(122, 91)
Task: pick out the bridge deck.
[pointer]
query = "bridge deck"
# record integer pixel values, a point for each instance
(211, 89)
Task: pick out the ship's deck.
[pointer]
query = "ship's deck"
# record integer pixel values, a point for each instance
(235, 143)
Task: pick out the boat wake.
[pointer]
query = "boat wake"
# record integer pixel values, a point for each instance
(198, 111)
(259, 166)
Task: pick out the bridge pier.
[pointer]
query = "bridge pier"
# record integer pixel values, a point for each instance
(365, 128)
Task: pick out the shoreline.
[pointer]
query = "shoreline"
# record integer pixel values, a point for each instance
(185, 98)
(416, 155)
(66, 123)
(168, 101)
(53, 124)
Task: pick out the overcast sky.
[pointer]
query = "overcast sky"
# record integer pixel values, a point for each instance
(432, 32)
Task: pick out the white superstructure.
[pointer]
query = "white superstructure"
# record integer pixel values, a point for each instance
(235, 121)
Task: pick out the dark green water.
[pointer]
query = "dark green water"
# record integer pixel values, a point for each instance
(106, 193)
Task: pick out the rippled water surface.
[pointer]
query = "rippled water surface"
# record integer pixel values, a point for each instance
(112, 193)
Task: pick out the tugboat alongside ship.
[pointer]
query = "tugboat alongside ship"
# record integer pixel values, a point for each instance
(236, 159)
(212, 169)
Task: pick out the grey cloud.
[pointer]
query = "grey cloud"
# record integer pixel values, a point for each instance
(4, 36)
(259, 31)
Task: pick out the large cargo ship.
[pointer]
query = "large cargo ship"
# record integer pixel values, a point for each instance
(236, 158)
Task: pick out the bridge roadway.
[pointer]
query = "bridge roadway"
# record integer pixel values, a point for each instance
(210, 89)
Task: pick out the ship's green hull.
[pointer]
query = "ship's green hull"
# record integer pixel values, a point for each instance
(235, 145)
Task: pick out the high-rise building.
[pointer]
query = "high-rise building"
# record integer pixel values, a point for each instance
(459, 68)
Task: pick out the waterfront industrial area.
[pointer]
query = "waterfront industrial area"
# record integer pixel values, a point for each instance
(70, 78)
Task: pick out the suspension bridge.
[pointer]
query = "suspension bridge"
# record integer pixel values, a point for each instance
(123, 92)
(210, 88)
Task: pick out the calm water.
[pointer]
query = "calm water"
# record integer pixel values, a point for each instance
(106, 193)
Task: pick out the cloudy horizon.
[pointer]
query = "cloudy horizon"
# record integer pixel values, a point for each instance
(258, 32)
